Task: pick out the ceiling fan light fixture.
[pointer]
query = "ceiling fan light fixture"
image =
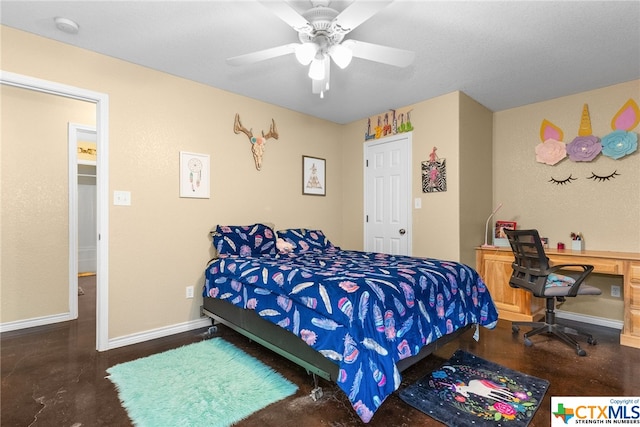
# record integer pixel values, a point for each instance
(321, 32)
(317, 68)
(341, 55)
(317, 86)
(320, 87)
(305, 52)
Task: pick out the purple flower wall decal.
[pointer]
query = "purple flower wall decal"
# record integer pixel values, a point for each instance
(584, 148)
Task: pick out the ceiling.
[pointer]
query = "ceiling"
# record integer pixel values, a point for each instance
(504, 54)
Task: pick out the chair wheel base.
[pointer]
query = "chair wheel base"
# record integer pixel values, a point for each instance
(559, 331)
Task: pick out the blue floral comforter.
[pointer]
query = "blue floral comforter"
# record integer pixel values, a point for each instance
(365, 311)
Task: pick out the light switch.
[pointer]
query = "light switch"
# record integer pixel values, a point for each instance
(122, 198)
(417, 203)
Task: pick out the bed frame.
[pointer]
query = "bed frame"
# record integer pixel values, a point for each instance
(286, 344)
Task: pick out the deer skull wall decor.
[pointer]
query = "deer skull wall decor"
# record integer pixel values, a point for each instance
(257, 143)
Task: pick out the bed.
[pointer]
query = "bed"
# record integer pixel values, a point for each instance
(355, 318)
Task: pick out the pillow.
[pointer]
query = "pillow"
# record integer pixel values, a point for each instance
(559, 280)
(304, 240)
(244, 240)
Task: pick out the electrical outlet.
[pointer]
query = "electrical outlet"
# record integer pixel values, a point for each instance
(615, 291)
(189, 291)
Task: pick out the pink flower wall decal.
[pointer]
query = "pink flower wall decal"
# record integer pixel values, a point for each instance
(550, 152)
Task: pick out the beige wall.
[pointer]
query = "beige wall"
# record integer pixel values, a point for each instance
(35, 201)
(607, 213)
(160, 244)
(450, 224)
(476, 177)
(436, 233)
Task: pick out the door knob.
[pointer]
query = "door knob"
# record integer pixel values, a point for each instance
(402, 231)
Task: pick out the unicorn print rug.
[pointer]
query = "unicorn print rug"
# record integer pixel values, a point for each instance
(467, 390)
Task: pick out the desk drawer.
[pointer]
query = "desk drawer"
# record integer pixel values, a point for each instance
(632, 296)
(635, 272)
(605, 266)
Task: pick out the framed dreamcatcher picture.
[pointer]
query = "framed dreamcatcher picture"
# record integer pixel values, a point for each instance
(194, 175)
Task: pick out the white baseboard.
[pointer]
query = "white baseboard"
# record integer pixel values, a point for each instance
(158, 333)
(593, 320)
(36, 321)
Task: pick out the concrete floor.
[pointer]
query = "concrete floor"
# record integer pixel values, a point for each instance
(52, 375)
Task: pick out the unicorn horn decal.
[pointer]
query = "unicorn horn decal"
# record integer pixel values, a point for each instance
(585, 122)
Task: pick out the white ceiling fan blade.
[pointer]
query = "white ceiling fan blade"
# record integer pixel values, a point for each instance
(289, 15)
(379, 53)
(356, 13)
(262, 55)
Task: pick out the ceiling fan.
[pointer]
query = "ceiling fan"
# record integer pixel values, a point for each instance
(321, 31)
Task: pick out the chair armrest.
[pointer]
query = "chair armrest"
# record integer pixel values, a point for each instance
(586, 270)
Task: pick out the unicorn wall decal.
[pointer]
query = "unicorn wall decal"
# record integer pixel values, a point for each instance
(587, 147)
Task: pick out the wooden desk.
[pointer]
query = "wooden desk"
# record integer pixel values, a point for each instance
(494, 265)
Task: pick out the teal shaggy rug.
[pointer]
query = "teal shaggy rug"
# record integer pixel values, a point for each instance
(210, 383)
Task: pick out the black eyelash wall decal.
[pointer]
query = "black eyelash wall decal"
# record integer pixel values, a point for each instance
(603, 178)
(562, 181)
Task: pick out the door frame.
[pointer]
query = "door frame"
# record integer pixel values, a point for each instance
(408, 146)
(101, 101)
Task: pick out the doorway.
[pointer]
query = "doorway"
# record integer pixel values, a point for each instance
(101, 102)
(387, 189)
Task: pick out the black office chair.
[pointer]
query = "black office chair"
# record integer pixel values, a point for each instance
(532, 272)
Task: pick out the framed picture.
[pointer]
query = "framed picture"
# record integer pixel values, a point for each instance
(545, 242)
(434, 176)
(499, 236)
(314, 176)
(194, 175)
(87, 152)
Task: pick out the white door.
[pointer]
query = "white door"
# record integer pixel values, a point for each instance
(87, 220)
(82, 136)
(83, 213)
(388, 195)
